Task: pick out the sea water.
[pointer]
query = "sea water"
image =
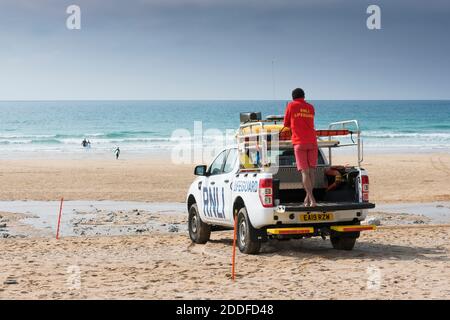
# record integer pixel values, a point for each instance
(141, 127)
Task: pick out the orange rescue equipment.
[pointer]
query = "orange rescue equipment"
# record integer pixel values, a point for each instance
(329, 133)
(334, 172)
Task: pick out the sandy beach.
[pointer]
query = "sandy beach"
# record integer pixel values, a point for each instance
(403, 263)
(393, 178)
(109, 108)
(406, 258)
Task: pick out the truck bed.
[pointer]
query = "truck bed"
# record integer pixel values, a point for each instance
(328, 206)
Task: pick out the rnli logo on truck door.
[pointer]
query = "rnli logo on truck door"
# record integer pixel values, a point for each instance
(214, 202)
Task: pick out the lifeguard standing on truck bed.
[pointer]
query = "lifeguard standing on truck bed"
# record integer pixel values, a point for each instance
(263, 199)
(299, 117)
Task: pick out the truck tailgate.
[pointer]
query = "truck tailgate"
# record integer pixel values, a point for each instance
(328, 206)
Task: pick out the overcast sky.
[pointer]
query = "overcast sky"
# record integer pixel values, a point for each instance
(223, 49)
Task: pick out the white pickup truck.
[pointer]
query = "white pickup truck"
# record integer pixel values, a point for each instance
(257, 183)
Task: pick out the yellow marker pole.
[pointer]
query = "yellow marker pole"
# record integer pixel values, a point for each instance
(233, 258)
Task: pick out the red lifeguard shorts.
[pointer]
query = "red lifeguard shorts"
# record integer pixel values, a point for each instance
(306, 155)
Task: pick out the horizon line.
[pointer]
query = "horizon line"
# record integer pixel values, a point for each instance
(245, 99)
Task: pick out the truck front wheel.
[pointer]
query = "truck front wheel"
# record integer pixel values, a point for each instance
(342, 242)
(199, 232)
(246, 234)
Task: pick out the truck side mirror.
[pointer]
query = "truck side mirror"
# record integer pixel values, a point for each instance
(200, 170)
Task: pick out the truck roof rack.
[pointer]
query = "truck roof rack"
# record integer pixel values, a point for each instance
(275, 118)
(256, 133)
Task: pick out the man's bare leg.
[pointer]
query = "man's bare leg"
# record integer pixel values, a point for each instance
(307, 185)
(312, 177)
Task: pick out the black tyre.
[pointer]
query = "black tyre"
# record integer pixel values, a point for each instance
(246, 234)
(343, 243)
(199, 232)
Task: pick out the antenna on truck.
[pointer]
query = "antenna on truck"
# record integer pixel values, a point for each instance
(273, 79)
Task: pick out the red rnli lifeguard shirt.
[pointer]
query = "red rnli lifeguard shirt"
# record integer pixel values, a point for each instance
(299, 117)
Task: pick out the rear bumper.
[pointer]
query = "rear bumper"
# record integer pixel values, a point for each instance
(324, 207)
(289, 215)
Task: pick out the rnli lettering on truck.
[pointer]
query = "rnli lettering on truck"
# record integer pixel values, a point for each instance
(213, 202)
(245, 186)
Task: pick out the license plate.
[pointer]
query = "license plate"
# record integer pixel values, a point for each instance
(308, 217)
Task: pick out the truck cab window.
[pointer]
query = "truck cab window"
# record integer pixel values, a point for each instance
(217, 165)
(231, 160)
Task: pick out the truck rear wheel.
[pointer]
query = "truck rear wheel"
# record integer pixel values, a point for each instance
(342, 242)
(199, 232)
(246, 234)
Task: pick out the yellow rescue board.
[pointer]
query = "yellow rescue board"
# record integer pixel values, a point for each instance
(269, 128)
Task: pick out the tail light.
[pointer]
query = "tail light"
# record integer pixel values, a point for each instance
(266, 192)
(365, 188)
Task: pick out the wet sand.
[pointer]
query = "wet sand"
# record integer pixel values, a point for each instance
(393, 178)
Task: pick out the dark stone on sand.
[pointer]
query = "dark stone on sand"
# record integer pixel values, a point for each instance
(10, 281)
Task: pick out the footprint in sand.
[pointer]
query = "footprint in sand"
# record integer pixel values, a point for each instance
(190, 247)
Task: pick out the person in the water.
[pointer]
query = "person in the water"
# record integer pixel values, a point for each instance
(117, 152)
